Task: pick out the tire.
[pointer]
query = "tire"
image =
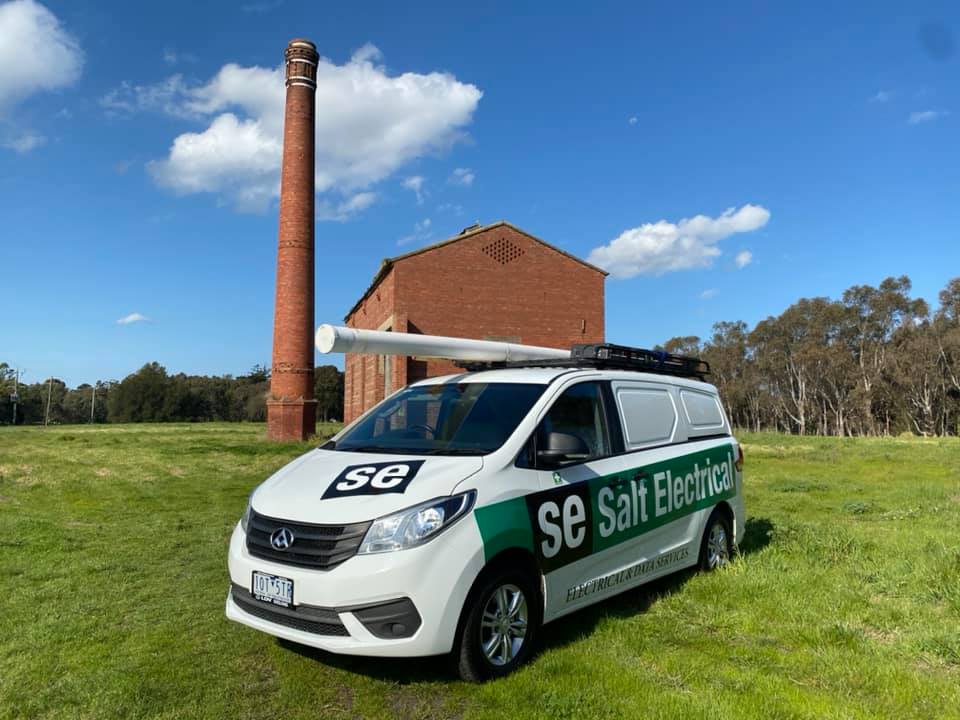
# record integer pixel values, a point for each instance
(716, 547)
(506, 605)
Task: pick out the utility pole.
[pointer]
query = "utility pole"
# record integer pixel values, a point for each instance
(16, 393)
(46, 417)
(93, 401)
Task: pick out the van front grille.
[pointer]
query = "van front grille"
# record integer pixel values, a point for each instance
(314, 546)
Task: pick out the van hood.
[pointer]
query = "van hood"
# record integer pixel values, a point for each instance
(335, 487)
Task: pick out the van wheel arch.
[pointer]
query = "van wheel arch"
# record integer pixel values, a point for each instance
(523, 567)
(724, 507)
(515, 558)
(716, 543)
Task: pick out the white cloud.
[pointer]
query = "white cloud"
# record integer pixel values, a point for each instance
(415, 183)
(345, 209)
(882, 96)
(916, 118)
(709, 293)
(25, 143)
(454, 208)
(170, 96)
(132, 318)
(743, 258)
(421, 233)
(462, 176)
(369, 124)
(174, 57)
(633, 120)
(661, 247)
(36, 53)
(233, 157)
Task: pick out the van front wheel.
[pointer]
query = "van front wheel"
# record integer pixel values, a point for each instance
(500, 627)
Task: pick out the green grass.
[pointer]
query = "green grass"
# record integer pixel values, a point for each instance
(844, 604)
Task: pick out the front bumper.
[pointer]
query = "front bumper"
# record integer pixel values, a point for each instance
(398, 604)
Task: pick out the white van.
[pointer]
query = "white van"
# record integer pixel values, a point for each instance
(463, 512)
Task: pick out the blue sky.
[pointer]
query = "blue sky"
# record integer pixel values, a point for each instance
(827, 135)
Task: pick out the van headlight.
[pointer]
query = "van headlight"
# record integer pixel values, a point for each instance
(416, 525)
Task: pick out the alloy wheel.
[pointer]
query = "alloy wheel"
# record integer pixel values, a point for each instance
(718, 548)
(503, 626)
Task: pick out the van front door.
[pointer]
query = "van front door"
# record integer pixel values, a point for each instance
(576, 449)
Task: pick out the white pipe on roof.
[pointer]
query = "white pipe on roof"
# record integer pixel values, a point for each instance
(336, 338)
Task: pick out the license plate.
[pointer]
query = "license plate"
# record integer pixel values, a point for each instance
(272, 589)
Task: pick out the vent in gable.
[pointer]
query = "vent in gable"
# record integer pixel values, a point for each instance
(503, 251)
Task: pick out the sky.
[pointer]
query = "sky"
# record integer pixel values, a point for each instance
(721, 161)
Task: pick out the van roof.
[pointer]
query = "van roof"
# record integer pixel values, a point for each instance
(545, 375)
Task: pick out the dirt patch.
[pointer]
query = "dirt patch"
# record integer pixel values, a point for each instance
(409, 705)
(20, 474)
(884, 637)
(103, 472)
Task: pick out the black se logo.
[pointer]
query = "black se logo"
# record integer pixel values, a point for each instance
(373, 479)
(562, 519)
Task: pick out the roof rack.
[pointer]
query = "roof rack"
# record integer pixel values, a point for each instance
(611, 357)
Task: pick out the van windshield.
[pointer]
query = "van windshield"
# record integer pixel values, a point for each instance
(446, 419)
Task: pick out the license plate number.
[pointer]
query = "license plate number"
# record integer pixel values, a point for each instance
(272, 589)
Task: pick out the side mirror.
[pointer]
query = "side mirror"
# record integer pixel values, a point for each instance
(562, 448)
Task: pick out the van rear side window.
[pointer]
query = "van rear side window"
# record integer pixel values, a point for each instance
(703, 411)
(648, 413)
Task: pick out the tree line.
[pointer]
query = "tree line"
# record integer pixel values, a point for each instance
(875, 362)
(152, 395)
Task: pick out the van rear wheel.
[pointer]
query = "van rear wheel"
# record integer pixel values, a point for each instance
(716, 548)
(500, 627)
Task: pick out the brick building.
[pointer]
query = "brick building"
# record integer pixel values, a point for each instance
(495, 282)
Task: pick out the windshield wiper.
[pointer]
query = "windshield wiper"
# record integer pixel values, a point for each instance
(457, 451)
(378, 449)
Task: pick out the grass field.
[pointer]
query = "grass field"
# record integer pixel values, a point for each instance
(845, 602)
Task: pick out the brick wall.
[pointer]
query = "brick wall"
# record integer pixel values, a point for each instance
(498, 283)
(365, 375)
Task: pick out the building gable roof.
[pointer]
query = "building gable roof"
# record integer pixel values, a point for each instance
(388, 263)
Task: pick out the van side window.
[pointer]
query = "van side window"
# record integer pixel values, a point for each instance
(579, 412)
(703, 411)
(649, 415)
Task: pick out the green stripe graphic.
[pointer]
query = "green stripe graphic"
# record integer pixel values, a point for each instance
(621, 506)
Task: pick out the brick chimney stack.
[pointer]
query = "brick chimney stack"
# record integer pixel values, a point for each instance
(291, 408)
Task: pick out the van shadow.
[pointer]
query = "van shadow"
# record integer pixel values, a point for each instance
(574, 627)
(583, 623)
(401, 671)
(757, 534)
